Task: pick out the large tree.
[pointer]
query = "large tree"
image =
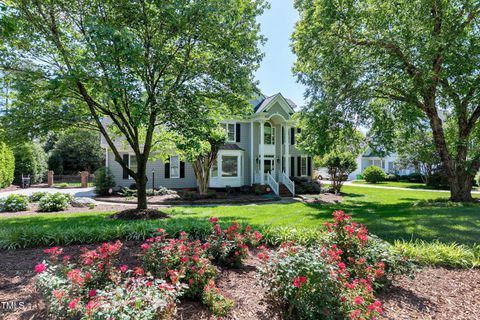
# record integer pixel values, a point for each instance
(373, 60)
(147, 66)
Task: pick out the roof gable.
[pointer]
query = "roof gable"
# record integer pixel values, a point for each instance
(269, 102)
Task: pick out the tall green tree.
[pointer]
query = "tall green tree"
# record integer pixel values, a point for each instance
(142, 65)
(377, 60)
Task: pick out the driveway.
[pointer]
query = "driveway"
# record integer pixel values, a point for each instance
(76, 192)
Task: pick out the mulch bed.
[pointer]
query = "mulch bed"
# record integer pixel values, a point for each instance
(135, 214)
(10, 188)
(33, 210)
(175, 199)
(435, 293)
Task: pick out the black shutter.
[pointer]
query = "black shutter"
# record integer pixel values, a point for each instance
(292, 135)
(182, 169)
(125, 172)
(167, 170)
(299, 166)
(283, 135)
(292, 166)
(309, 167)
(238, 133)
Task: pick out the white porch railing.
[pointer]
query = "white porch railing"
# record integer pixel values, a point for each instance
(288, 183)
(273, 184)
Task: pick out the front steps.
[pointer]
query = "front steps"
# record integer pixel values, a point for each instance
(284, 192)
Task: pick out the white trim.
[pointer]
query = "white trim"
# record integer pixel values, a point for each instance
(234, 130)
(106, 157)
(283, 103)
(129, 163)
(306, 165)
(252, 164)
(220, 181)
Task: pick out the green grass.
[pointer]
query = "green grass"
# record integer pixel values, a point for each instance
(63, 185)
(390, 214)
(399, 184)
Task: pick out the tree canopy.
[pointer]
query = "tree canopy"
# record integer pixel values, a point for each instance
(385, 63)
(147, 66)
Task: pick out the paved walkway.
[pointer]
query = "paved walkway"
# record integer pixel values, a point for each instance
(76, 192)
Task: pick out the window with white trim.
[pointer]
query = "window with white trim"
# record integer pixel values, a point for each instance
(230, 129)
(132, 163)
(230, 166)
(174, 167)
(377, 162)
(304, 166)
(268, 133)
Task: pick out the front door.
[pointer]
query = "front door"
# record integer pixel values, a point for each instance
(269, 166)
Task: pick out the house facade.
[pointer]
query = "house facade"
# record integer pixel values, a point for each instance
(387, 163)
(260, 150)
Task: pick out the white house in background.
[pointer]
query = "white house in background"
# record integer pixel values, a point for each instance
(260, 150)
(386, 163)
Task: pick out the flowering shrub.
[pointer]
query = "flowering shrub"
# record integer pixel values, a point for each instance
(230, 246)
(97, 289)
(36, 196)
(14, 203)
(186, 262)
(331, 281)
(54, 202)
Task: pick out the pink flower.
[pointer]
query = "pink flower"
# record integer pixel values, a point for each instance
(123, 268)
(92, 293)
(358, 300)
(145, 246)
(213, 220)
(149, 283)
(66, 258)
(138, 271)
(297, 282)
(39, 268)
(73, 303)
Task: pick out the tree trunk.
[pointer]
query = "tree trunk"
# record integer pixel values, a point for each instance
(141, 185)
(461, 187)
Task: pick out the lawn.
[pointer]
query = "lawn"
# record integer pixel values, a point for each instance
(398, 184)
(391, 214)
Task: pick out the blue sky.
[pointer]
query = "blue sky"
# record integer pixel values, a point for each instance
(275, 73)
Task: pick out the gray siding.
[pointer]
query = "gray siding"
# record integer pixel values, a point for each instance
(173, 183)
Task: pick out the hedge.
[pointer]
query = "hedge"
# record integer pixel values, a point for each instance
(7, 165)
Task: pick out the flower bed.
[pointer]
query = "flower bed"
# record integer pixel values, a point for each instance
(335, 278)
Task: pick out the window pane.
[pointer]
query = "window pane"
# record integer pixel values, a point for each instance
(231, 132)
(229, 166)
(215, 169)
(133, 163)
(174, 167)
(304, 166)
(273, 135)
(267, 134)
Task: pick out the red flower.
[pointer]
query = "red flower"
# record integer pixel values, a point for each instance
(358, 300)
(213, 220)
(73, 303)
(139, 271)
(39, 268)
(149, 283)
(297, 282)
(66, 258)
(145, 246)
(92, 293)
(123, 268)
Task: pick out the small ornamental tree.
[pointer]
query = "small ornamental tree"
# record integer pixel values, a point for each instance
(374, 174)
(339, 165)
(30, 160)
(7, 165)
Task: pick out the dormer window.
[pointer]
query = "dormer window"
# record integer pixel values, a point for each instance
(269, 133)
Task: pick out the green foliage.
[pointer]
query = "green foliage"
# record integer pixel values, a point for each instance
(478, 178)
(339, 165)
(305, 185)
(387, 65)
(129, 67)
(75, 151)
(30, 160)
(104, 181)
(14, 203)
(441, 254)
(36, 196)
(53, 202)
(7, 165)
(374, 174)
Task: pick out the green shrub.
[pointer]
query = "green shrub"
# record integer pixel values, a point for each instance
(104, 181)
(305, 185)
(439, 180)
(62, 185)
(30, 160)
(391, 177)
(440, 254)
(374, 174)
(7, 165)
(14, 203)
(477, 179)
(54, 202)
(36, 196)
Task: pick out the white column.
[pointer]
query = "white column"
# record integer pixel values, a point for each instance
(262, 153)
(287, 151)
(252, 163)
